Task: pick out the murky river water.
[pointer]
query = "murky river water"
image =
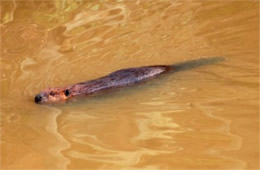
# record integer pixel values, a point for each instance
(204, 118)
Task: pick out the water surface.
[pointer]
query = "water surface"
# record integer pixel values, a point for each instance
(204, 118)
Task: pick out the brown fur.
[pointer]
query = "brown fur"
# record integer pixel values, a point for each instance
(120, 78)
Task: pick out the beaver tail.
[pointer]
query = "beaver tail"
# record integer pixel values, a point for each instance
(195, 63)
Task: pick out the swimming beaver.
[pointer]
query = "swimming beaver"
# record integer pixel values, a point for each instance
(120, 78)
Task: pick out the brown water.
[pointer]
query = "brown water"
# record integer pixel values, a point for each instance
(204, 118)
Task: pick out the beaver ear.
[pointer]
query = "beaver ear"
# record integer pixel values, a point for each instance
(67, 92)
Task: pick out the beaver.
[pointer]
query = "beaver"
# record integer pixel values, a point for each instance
(121, 78)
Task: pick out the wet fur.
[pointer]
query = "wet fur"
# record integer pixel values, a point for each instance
(117, 79)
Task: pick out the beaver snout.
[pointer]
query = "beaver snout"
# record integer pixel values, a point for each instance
(38, 98)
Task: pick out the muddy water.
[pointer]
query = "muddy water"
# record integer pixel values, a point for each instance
(204, 118)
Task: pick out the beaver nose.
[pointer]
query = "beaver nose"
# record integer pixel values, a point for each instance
(38, 98)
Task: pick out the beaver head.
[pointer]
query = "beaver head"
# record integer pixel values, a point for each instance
(52, 95)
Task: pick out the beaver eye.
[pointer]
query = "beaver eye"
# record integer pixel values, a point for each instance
(67, 92)
(52, 93)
